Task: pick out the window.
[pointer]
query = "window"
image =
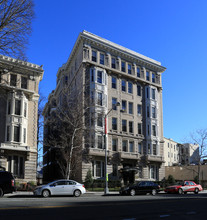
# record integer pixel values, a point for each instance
(92, 75)
(147, 76)
(148, 112)
(154, 172)
(153, 112)
(16, 133)
(98, 168)
(124, 105)
(114, 102)
(153, 130)
(139, 90)
(100, 120)
(123, 66)
(17, 107)
(139, 128)
(129, 69)
(139, 148)
(25, 109)
(23, 82)
(115, 170)
(9, 107)
(94, 55)
(124, 125)
(138, 72)
(153, 77)
(131, 129)
(123, 85)
(154, 149)
(8, 133)
(147, 91)
(130, 87)
(13, 80)
(153, 94)
(113, 63)
(16, 166)
(113, 82)
(100, 102)
(131, 146)
(149, 149)
(102, 58)
(114, 144)
(130, 108)
(114, 123)
(139, 110)
(100, 143)
(24, 135)
(124, 146)
(99, 77)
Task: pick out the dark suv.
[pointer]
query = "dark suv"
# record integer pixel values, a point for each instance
(142, 187)
(7, 183)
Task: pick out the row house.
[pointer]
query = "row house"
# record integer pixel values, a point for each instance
(19, 81)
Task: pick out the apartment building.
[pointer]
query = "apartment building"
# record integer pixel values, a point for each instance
(180, 154)
(19, 96)
(111, 74)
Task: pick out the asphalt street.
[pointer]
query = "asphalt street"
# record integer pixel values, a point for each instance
(96, 206)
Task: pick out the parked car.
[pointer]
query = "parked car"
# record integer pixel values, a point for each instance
(184, 187)
(142, 187)
(60, 187)
(7, 183)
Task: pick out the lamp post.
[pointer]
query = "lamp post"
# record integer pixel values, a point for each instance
(106, 190)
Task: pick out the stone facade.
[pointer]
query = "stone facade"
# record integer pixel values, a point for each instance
(176, 153)
(113, 74)
(19, 82)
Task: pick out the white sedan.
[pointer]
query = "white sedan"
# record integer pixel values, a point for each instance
(60, 187)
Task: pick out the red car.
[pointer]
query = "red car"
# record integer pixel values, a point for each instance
(187, 186)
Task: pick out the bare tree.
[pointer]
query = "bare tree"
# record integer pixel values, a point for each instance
(199, 137)
(66, 131)
(40, 126)
(15, 26)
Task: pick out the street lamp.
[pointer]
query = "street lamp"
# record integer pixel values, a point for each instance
(106, 190)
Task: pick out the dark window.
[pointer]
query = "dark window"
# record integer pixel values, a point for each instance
(99, 99)
(147, 76)
(130, 108)
(124, 146)
(153, 130)
(100, 146)
(23, 82)
(131, 146)
(114, 144)
(138, 72)
(153, 94)
(130, 87)
(123, 85)
(92, 75)
(124, 125)
(99, 77)
(100, 120)
(124, 105)
(102, 59)
(13, 80)
(139, 110)
(131, 130)
(139, 128)
(8, 133)
(17, 107)
(139, 90)
(25, 109)
(113, 63)
(129, 69)
(16, 133)
(94, 55)
(114, 103)
(153, 77)
(113, 82)
(123, 66)
(153, 112)
(9, 107)
(15, 171)
(114, 123)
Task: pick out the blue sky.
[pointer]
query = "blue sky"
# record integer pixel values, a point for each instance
(173, 32)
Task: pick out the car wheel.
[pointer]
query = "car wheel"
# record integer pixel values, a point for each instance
(1, 192)
(154, 192)
(45, 193)
(196, 191)
(132, 192)
(180, 191)
(77, 193)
